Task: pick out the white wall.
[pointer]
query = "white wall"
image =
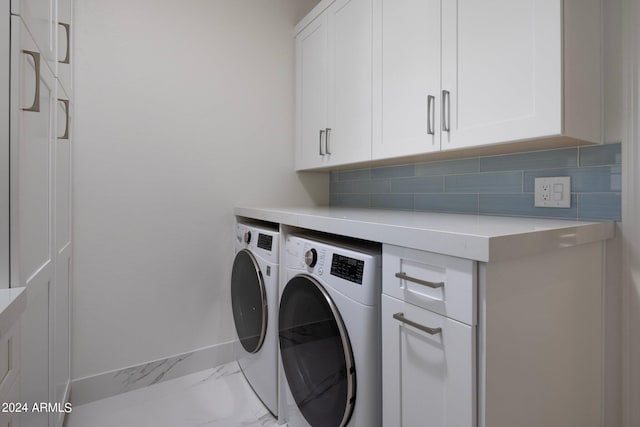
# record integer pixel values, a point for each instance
(184, 109)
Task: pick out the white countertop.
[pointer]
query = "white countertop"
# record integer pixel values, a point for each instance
(476, 237)
(13, 301)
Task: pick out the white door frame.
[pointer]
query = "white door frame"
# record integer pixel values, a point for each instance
(631, 214)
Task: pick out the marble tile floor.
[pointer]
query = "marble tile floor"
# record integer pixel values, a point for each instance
(218, 397)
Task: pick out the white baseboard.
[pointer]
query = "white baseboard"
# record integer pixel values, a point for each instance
(95, 387)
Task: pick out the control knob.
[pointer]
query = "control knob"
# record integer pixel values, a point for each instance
(247, 237)
(311, 257)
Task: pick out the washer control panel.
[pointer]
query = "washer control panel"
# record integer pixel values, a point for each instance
(351, 269)
(314, 258)
(347, 268)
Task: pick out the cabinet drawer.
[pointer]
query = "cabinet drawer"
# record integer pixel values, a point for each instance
(428, 377)
(442, 284)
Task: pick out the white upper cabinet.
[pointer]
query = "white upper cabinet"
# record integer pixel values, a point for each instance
(501, 71)
(334, 77)
(311, 121)
(407, 105)
(349, 138)
(459, 74)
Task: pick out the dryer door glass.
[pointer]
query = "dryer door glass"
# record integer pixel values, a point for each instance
(248, 301)
(316, 353)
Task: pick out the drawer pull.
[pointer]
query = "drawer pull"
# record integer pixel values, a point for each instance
(433, 285)
(430, 331)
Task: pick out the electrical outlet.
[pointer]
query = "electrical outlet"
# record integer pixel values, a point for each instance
(553, 192)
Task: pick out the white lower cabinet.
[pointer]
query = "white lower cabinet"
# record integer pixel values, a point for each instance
(504, 343)
(428, 339)
(429, 368)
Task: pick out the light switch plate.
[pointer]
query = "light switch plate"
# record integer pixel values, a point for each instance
(553, 192)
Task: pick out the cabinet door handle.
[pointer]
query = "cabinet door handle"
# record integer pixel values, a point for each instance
(320, 142)
(434, 285)
(431, 115)
(326, 141)
(430, 331)
(65, 102)
(67, 29)
(36, 99)
(446, 111)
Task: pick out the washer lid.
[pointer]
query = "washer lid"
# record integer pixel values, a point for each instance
(248, 301)
(316, 353)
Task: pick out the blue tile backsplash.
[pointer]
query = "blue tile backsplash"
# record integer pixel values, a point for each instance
(493, 185)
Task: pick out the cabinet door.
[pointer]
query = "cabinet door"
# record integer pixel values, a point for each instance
(32, 264)
(34, 351)
(311, 94)
(40, 18)
(5, 52)
(408, 45)
(502, 69)
(427, 379)
(63, 171)
(32, 124)
(349, 98)
(61, 292)
(65, 45)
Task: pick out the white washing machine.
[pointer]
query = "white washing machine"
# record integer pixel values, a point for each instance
(329, 333)
(254, 300)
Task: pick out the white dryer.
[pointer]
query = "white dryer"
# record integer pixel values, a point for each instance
(329, 333)
(254, 301)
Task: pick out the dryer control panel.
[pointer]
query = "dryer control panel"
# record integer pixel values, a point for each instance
(259, 240)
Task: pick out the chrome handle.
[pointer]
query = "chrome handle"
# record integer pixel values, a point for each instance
(446, 111)
(67, 29)
(65, 102)
(326, 141)
(430, 331)
(320, 142)
(434, 285)
(36, 99)
(431, 115)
